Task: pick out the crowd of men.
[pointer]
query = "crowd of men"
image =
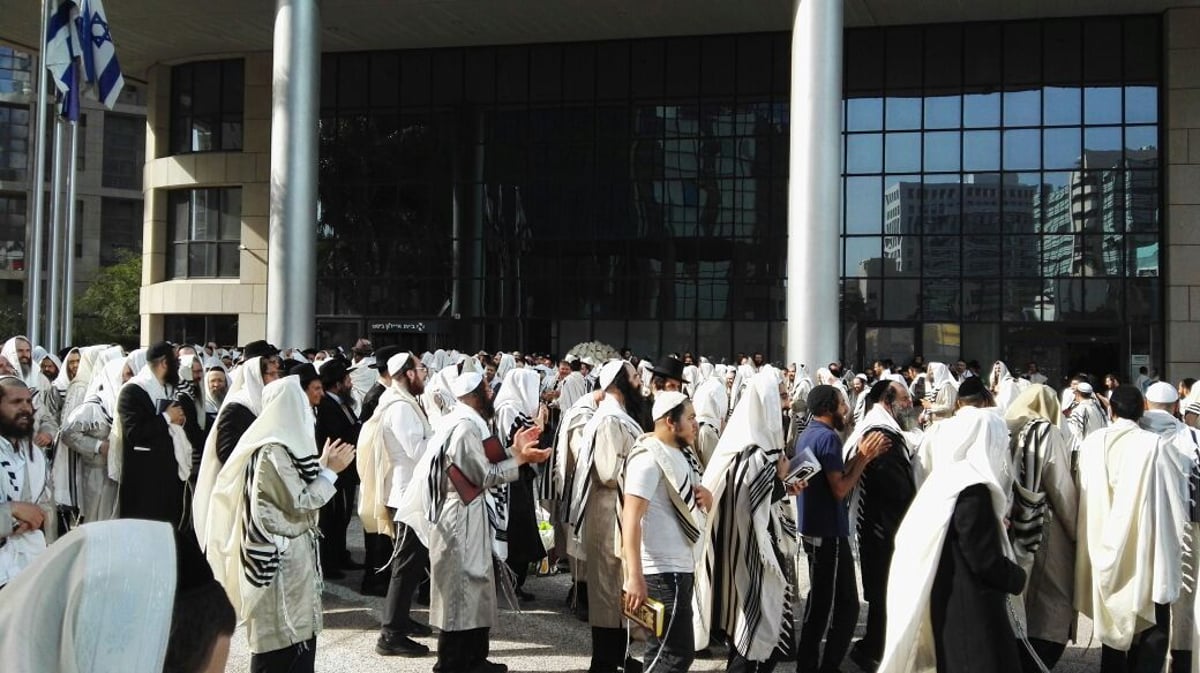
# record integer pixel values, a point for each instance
(983, 511)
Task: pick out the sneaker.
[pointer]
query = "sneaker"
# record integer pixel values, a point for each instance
(400, 646)
(418, 629)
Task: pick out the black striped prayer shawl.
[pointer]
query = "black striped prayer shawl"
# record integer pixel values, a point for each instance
(260, 555)
(683, 495)
(1029, 496)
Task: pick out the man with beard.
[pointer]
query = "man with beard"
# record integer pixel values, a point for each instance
(884, 492)
(446, 507)
(25, 505)
(832, 608)
(155, 456)
(19, 354)
(336, 420)
(371, 399)
(607, 440)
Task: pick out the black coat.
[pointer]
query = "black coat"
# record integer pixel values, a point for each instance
(150, 484)
(888, 489)
(370, 402)
(338, 421)
(967, 605)
(232, 423)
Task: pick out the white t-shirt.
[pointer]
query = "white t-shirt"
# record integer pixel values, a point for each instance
(665, 549)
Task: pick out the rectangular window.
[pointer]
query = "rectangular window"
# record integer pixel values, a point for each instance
(14, 142)
(201, 329)
(203, 233)
(16, 72)
(207, 106)
(12, 232)
(124, 151)
(120, 229)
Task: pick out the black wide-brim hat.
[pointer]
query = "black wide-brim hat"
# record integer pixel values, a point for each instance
(669, 368)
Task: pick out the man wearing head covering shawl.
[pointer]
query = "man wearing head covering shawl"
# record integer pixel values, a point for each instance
(953, 564)
(1131, 522)
(712, 408)
(1161, 404)
(27, 519)
(1004, 386)
(879, 502)
(91, 360)
(1189, 407)
(941, 394)
(155, 462)
(47, 400)
(518, 541)
(743, 576)
(1045, 509)
(607, 440)
(446, 505)
(216, 387)
(19, 353)
(108, 597)
(261, 531)
(437, 398)
(81, 471)
(798, 411)
(134, 363)
(568, 437)
(391, 443)
(1085, 415)
(662, 505)
(190, 395)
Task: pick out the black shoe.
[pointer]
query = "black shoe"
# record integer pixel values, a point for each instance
(334, 574)
(706, 653)
(418, 629)
(421, 599)
(863, 660)
(400, 646)
(525, 595)
(489, 667)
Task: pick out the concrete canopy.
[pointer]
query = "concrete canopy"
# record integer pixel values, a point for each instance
(164, 31)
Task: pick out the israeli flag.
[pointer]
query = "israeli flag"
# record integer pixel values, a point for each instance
(62, 47)
(100, 67)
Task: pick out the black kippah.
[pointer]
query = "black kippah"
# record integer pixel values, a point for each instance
(158, 351)
(972, 386)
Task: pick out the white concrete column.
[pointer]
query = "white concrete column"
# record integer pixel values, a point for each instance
(814, 185)
(292, 256)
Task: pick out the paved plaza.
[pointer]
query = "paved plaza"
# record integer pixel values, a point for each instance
(542, 637)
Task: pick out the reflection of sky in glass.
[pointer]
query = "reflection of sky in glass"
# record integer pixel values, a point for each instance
(1141, 104)
(1023, 108)
(903, 113)
(864, 205)
(1102, 105)
(864, 114)
(941, 151)
(902, 152)
(943, 112)
(981, 110)
(1062, 105)
(864, 153)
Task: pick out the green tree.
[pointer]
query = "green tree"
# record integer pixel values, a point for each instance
(108, 311)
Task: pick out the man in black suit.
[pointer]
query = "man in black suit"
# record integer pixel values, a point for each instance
(378, 547)
(371, 399)
(154, 472)
(336, 419)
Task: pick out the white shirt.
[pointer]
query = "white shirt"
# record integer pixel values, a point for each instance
(404, 439)
(665, 549)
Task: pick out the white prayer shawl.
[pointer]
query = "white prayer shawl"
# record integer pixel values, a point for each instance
(681, 485)
(99, 601)
(711, 403)
(245, 388)
(582, 482)
(135, 361)
(691, 379)
(573, 387)
(507, 364)
(24, 477)
(376, 469)
(1190, 406)
(706, 371)
(92, 360)
(877, 417)
(572, 419)
(646, 374)
(438, 399)
(362, 379)
(948, 442)
(981, 440)
(1005, 386)
(27, 373)
(759, 602)
(516, 405)
(98, 408)
(1120, 574)
(211, 404)
(195, 390)
(285, 419)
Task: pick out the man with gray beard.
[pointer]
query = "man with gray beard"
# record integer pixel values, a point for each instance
(882, 497)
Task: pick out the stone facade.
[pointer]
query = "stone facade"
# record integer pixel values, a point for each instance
(1181, 33)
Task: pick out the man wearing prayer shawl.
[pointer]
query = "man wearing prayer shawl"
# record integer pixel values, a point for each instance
(1128, 569)
(1085, 415)
(879, 502)
(662, 496)
(19, 354)
(27, 519)
(1004, 386)
(744, 573)
(155, 457)
(953, 564)
(447, 504)
(261, 531)
(712, 408)
(607, 440)
(47, 400)
(1161, 404)
(568, 437)
(941, 394)
(85, 436)
(518, 541)
(1045, 510)
(798, 412)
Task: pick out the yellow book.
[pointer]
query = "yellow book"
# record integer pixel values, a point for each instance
(649, 615)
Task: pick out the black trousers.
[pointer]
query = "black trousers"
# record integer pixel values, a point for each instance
(1049, 652)
(461, 651)
(676, 649)
(1149, 650)
(408, 569)
(298, 658)
(832, 609)
(739, 664)
(875, 560)
(335, 517)
(378, 550)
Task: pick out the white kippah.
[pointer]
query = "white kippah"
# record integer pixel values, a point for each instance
(1085, 388)
(466, 384)
(1162, 393)
(665, 402)
(608, 373)
(396, 363)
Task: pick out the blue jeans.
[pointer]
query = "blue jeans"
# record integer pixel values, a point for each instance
(676, 649)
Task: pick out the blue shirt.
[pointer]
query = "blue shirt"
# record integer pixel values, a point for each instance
(821, 514)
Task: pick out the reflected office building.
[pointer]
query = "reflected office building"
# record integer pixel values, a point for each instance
(511, 175)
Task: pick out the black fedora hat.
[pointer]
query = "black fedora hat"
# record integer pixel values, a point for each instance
(669, 368)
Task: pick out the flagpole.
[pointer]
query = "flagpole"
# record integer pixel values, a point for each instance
(33, 270)
(56, 217)
(68, 284)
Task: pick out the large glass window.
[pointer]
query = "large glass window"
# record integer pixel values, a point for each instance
(207, 106)
(12, 231)
(14, 142)
(124, 151)
(201, 329)
(1018, 182)
(16, 72)
(120, 229)
(204, 230)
